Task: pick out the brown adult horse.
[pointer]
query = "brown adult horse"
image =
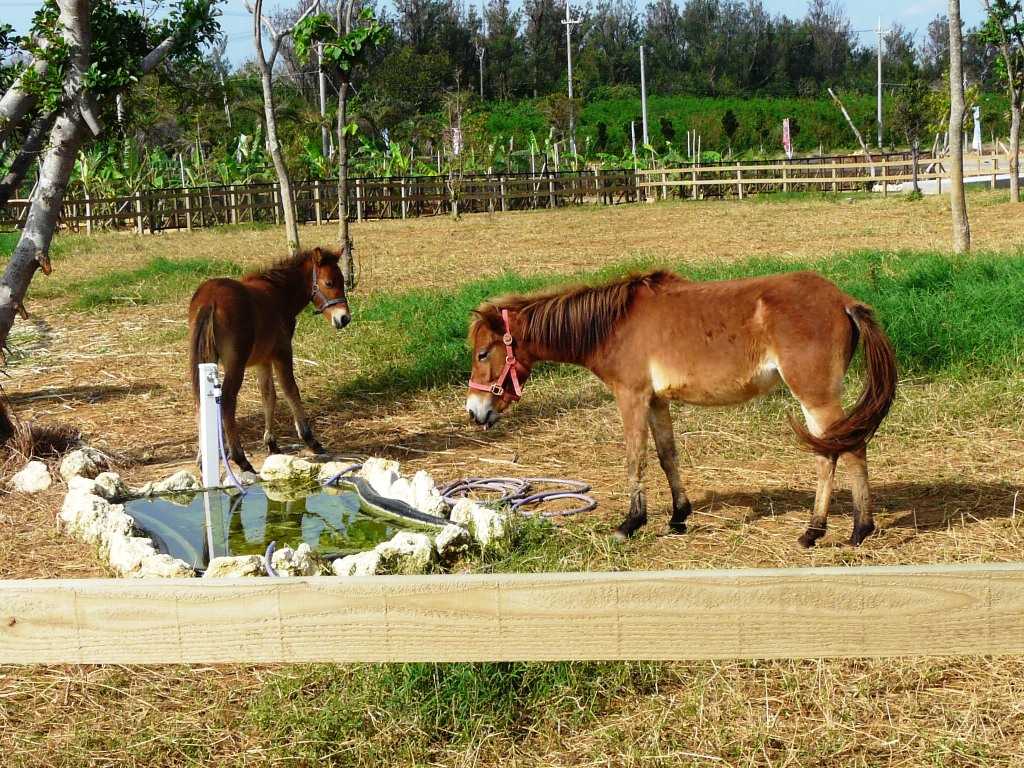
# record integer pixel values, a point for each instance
(249, 323)
(658, 337)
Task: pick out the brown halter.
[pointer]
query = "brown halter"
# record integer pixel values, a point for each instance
(511, 370)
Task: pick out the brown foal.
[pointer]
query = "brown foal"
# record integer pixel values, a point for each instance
(249, 323)
(658, 337)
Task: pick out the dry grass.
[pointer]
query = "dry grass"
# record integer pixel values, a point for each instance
(945, 472)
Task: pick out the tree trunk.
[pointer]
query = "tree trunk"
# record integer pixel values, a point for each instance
(32, 250)
(291, 226)
(16, 102)
(957, 198)
(916, 155)
(1015, 110)
(348, 266)
(863, 146)
(66, 137)
(266, 66)
(26, 157)
(343, 11)
(33, 247)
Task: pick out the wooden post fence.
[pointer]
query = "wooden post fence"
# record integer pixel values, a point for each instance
(836, 612)
(414, 196)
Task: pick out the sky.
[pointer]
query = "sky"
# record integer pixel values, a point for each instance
(864, 16)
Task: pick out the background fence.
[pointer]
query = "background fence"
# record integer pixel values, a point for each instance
(403, 197)
(938, 610)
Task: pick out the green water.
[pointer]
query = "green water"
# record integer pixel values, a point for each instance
(198, 527)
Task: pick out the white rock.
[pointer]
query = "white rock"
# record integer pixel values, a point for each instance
(380, 474)
(85, 462)
(164, 567)
(281, 491)
(406, 552)
(281, 466)
(92, 518)
(179, 482)
(361, 564)
(302, 561)
(401, 490)
(80, 484)
(109, 485)
(233, 567)
(452, 542)
(489, 526)
(330, 469)
(126, 553)
(34, 478)
(245, 479)
(428, 499)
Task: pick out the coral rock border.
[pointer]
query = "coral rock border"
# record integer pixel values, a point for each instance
(92, 513)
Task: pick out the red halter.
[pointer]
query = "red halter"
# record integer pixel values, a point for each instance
(511, 370)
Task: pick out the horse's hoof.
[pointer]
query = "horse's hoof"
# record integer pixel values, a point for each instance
(620, 536)
(272, 446)
(859, 534)
(675, 528)
(809, 539)
(317, 448)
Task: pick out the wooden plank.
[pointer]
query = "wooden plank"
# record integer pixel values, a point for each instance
(717, 614)
(724, 180)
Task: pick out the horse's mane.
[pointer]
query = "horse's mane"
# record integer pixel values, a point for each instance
(282, 273)
(574, 320)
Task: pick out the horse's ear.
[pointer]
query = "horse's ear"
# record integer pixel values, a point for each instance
(488, 315)
(317, 256)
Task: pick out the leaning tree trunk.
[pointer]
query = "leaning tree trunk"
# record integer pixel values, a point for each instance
(32, 250)
(26, 157)
(1015, 109)
(66, 137)
(957, 198)
(18, 102)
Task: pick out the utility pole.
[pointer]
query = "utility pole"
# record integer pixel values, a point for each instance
(480, 55)
(643, 95)
(569, 22)
(879, 120)
(325, 140)
(223, 90)
(480, 46)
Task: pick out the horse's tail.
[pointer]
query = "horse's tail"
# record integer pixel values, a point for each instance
(202, 346)
(852, 432)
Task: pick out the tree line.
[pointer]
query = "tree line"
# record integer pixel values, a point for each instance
(493, 79)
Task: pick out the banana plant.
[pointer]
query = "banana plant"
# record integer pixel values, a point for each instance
(318, 167)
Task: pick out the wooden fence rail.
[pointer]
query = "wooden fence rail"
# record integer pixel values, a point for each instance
(765, 613)
(404, 197)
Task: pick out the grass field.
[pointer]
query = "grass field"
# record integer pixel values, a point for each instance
(103, 351)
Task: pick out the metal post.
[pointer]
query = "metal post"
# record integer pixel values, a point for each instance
(480, 47)
(569, 21)
(209, 415)
(643, 96)
(879, 118)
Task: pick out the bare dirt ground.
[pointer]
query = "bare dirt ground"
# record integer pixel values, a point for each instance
(945, 467)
